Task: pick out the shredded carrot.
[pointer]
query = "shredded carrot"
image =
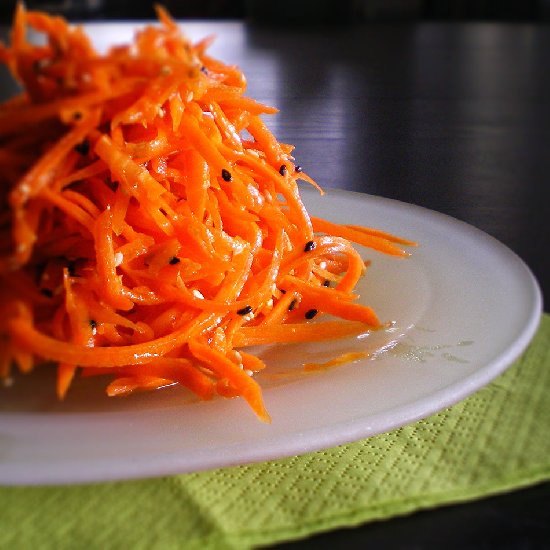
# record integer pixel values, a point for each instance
(337, 361)
(152, 225)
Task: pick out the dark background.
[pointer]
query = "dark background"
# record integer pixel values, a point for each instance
(284, 12)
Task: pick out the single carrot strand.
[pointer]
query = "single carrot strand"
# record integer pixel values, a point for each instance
(110, 281)
(369, 240)
(227, 370)
(297, 332)
(27, 337)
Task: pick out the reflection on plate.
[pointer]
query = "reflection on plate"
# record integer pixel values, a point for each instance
(463, 308)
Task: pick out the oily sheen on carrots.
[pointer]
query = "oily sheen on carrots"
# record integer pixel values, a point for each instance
(151, 225)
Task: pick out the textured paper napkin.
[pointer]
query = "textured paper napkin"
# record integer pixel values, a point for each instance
(494, 441)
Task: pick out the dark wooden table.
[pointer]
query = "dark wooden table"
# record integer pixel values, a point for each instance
(453, 117)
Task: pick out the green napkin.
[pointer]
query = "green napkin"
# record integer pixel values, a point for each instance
(494, 441)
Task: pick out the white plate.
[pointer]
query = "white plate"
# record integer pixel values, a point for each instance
(464, 308)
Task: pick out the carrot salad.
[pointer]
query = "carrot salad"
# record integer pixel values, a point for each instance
(151, 225)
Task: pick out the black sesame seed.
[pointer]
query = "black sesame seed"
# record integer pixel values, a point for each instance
(174, 260)
(282, 170)
(245, 310)
(283, 291)
(292, 304)
(310, 245)
(93, 324)
(46, 292)
(226, 175)
(83, 147)
(298, 168)
(310, 313)
(326, 282)
(204, 70)
(36, 66)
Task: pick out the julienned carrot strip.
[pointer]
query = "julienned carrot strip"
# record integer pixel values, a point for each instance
(251, 362)
(68, 207)
(145, 109)
(317, 292)
(376, 241)
(81, 333)
(172, 370)
(382, 234)
(152, 224)
(120, 207)
(198, 181)
(337, 361)
(129, 384)
(27, 337)
(25, 225)
(190, 127)
(91, 170)
(30, 114)
(333, 301)
(226, 127)
(248, 104)
(297, 212)
(82, 201)
(286, 302)
(323, 247)
(225, 369)
(267, 141)
(110, 281)
(297, 332)
(136, 179)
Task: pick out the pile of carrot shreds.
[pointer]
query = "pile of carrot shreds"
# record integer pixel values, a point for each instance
(151, 225)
